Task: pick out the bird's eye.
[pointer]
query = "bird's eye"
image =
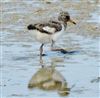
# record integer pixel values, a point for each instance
(67, 17)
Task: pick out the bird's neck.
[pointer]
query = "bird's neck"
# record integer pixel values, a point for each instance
(64, 25)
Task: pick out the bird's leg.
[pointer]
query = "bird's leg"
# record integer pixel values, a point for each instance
(57, 49)
(52, 45)
(41, 62)
(41, 50)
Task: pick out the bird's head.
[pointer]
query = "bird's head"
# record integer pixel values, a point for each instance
(65, 17)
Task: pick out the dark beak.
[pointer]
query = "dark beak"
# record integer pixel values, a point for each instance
(72, 21)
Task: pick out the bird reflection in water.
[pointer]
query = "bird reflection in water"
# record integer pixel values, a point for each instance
(48, 78)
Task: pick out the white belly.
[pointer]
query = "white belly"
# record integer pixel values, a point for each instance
(57, 35)
(41, 37)
(46, 38)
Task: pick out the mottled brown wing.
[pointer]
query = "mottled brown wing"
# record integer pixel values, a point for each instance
(48, 28)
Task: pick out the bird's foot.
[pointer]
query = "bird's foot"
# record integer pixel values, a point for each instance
(63, 51)
(67, 52)
(44, 55)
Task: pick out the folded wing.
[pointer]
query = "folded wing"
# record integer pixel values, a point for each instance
(48, 28)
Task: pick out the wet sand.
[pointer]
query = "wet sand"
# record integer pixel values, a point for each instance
(20, 52)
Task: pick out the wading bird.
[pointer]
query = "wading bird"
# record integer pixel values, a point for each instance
(51, 31)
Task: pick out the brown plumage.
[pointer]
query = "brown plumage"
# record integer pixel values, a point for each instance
(53, 24)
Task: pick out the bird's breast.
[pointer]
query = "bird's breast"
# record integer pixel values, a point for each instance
(58, 34)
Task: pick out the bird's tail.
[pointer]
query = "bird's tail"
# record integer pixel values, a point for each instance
(31, 27)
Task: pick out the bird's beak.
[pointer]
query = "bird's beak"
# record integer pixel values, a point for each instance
(72, 21)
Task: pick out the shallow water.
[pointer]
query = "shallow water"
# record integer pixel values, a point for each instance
(20, 52)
